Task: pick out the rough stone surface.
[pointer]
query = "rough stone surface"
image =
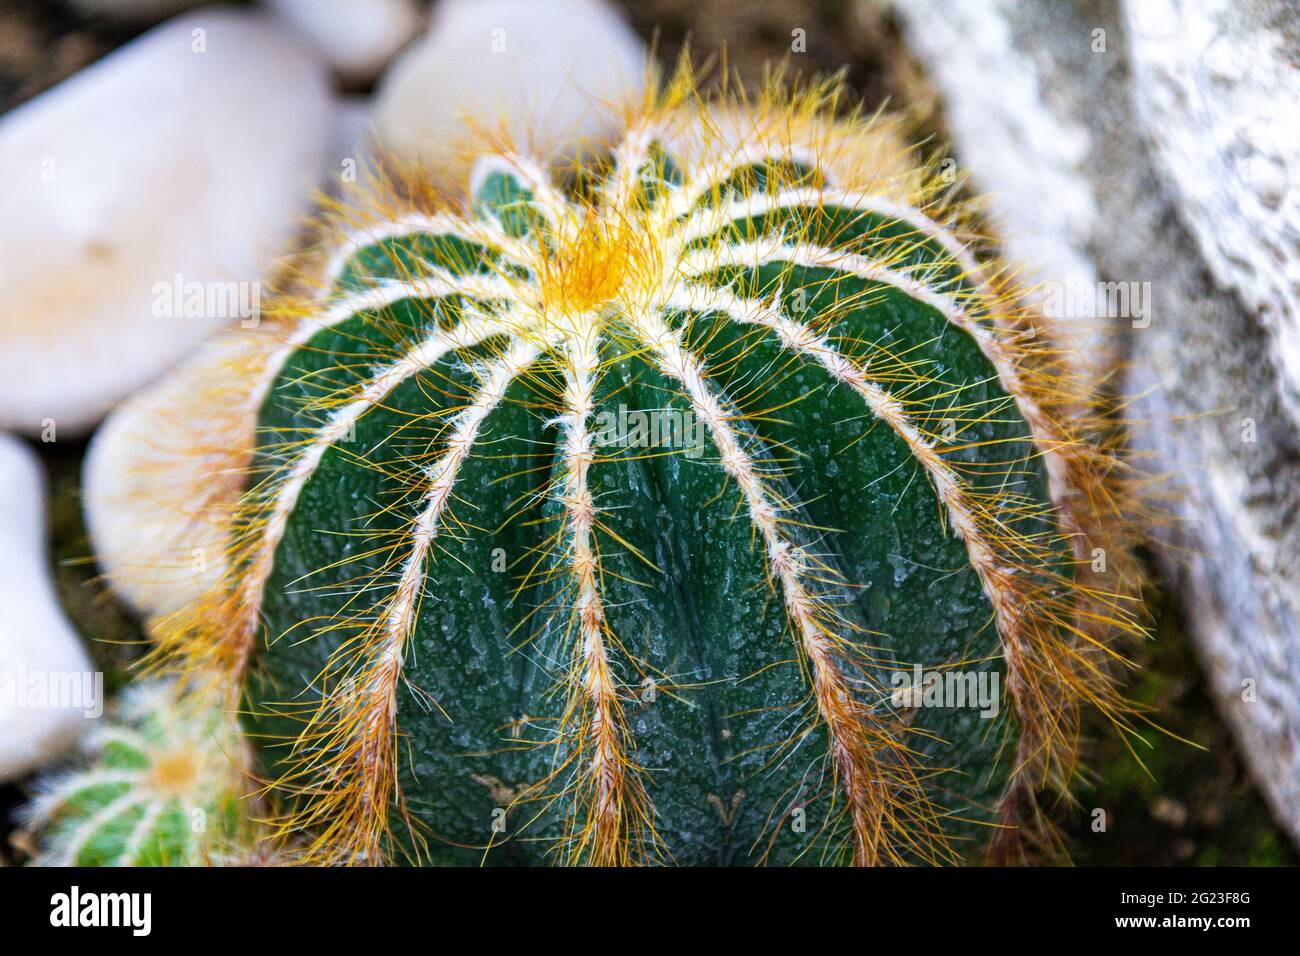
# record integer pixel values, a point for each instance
(1026, 156)
(1169, 175)
(1217, 83)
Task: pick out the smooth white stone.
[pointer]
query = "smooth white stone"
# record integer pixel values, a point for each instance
(351, 153)
(165, 469)
(192, 152)
(47, 686)
(357, 37)
(549, 76)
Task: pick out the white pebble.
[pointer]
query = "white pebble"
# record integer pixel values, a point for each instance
(356, 37)
(47, 687)
(165, 469)
(144, 200)
(551, 75)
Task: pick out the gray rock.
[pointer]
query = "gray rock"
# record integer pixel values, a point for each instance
(1131, 149)
(1217, 84)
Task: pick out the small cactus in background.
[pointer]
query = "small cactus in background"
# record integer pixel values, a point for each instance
(164, 784)
(657, 512)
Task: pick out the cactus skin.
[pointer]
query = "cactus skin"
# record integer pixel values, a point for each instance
(468, 627)
(164, 785)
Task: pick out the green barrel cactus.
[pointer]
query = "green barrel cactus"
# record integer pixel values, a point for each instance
(711, 503)
(162, 783)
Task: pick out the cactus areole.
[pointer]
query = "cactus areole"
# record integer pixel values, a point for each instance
(713, 505)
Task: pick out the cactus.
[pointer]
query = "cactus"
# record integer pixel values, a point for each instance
(611, 517)
(163, 784)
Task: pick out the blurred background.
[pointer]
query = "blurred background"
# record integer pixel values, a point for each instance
(1090, 128)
